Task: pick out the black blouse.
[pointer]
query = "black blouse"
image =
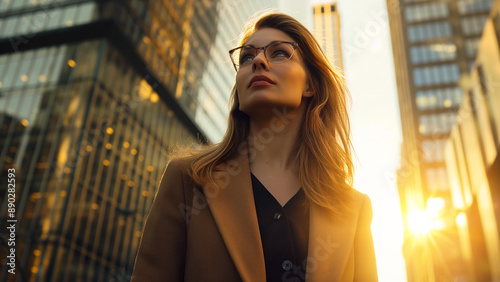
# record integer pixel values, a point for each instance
(284, 232)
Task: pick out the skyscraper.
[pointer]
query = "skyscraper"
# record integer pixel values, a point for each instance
(434, 45)
(93, 95)
(327, 31)
(473, 162)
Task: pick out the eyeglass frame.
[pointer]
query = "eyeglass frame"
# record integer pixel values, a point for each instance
(294, 45)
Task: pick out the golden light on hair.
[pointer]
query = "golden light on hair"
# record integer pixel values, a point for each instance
(325, 143)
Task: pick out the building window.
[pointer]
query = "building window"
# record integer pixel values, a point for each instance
(426, 11)
(436, 75)
(435, 52)
(473, 25)
(471, 46)
(433, 150)
(441, 98)
(436, 123)
(473, 6)
(50, 18)
(429, 31)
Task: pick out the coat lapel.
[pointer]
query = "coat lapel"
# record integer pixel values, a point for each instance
(331, 240)
(233, 209)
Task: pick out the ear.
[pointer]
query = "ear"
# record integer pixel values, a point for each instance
(308, 92)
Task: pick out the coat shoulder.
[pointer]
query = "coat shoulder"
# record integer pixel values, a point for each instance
(359, 199)
(181, 164)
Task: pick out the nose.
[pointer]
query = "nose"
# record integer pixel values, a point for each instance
(260, 61)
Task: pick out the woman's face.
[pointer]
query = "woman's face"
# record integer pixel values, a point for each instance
(264, 85)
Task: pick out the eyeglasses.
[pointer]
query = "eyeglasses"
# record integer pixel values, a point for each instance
(275, 52)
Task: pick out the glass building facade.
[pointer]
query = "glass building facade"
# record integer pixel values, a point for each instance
(473, 162)
(93, 97)
(434, 44)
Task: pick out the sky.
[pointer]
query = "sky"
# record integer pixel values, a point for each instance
(375, 123)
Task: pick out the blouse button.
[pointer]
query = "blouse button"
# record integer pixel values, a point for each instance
(286, 265)
(277, 216)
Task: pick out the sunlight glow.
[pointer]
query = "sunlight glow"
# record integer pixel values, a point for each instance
(461, 219)
(435, 204)
(419, 222)
(422, 222)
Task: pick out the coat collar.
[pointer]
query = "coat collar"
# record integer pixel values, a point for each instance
(233, 208)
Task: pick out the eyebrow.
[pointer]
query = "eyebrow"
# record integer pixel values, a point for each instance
(252, 45)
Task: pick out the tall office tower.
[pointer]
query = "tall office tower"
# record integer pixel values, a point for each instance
(327, 31)
(93, 95)
(434, 46)
(473, 161)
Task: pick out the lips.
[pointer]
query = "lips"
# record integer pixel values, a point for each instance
(260, 80)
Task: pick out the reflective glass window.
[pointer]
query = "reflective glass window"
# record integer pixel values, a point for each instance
(429, 31)
(433, 150)
(473, 6)
(435, 75)
(471, 46)
(473, 25)
(426, 11)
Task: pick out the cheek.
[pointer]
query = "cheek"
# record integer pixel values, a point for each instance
(239, 82)
(297, 81)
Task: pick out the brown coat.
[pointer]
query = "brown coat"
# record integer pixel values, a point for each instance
(211, 234)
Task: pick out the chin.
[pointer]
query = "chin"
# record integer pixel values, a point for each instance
(261, 108)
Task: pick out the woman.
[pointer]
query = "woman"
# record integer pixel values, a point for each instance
(274, 200)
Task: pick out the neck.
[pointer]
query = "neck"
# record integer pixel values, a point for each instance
(272, 140)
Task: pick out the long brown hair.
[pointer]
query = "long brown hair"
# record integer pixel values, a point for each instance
(323, 145)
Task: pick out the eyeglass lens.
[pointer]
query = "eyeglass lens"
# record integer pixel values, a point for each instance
(276, 52)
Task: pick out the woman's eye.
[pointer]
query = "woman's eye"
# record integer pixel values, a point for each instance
(280, 53)
(246, 59)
